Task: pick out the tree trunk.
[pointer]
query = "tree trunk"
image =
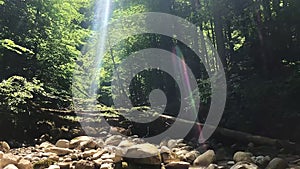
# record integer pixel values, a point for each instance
(218, 28)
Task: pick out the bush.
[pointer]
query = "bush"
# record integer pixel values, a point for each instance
(18, 95)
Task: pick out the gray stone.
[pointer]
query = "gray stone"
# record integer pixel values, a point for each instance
(244, 165)
(277, 163)
(242, 156)
(147, 154)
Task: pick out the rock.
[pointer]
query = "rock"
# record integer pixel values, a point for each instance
(106, 166)
(9, 159)
(172, 143)
(46, 144)
(242, 156)
(262, 161)
(45, 163)
(89, 153)
(83, 164)
(54, 157)
(244, 165)
(167, 155)
(58, 151)
(64, 165)
(230, 162)
(24, 164)
(4, 146)
(88, 144)
(205, 159)
(54, 167)
(114, 140)
(142, 151)
(223, 154)
(212, 166)
(62, 143)
(100, 143)
(126, 144)
(10, 166)
(277, 163)
(75, 142)
(99, 153)
(164, 149)
(180, 154)
(178, 165)
(147, 154)
(112, 156)
(98, 162)
(191, 156)
(1, 155)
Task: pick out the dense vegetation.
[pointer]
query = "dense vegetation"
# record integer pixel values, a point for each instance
(43, 42)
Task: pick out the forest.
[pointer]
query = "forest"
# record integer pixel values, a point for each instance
(58, 68)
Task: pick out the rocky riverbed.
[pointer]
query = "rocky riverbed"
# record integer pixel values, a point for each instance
(112, 151)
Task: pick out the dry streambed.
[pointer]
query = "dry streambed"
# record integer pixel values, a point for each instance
(116, 151)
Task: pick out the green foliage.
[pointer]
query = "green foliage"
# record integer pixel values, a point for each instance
(18, 95)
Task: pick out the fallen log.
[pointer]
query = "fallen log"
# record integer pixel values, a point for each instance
(243, 136)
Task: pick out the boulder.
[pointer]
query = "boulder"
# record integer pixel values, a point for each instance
(106, 166)
(10, 166)
(242, 156)
(24, 164)
(114, 140)
(1, 155)
(4, 147)
(58, 151)
(114, 157)
(9, 159)
(54, 167)
(83, 164)
(126, 144)
(244, 165)
(191, 156)
(205, 159)
(178, 165)
(88, 153)
(62, 143)
(144, 154)
(75, 142)
(277, 163)
(262, 161)
(64, 165)
(46, 144)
